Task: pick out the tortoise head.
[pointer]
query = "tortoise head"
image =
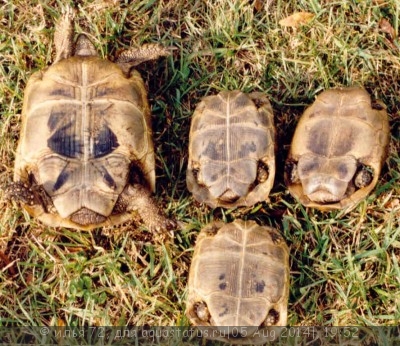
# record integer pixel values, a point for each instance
(84, 47)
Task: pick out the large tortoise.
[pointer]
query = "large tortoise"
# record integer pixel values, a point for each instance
(85, 156)
(231, 150)
(239, 277)
(338, 149)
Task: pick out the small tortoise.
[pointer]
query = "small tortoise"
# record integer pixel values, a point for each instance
(338, 149)
(85, 156)
(231, 150)
(239, 276)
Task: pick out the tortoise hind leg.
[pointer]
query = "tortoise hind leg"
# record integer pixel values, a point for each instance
(20, 192)
(363, 177)
(137, 198)
(33, 197)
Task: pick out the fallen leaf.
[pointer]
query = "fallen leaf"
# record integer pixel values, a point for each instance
(5, 261)
(259, 5)
(61, 323)
(297, 19)
(386, 27)
(392, 204)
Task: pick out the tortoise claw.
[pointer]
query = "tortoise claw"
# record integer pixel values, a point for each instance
(160, 224)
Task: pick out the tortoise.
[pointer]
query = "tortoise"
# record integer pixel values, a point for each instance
(239, 276)
(85, 157)
(338, 149)
(231, 149)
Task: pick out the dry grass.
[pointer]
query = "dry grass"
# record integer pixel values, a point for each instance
(344, 268)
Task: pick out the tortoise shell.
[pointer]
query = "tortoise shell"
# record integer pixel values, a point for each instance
(83, 124)
(231, 150)
(338, 149)
(85, 156)
(239, 276)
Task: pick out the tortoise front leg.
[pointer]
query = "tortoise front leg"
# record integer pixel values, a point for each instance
(136, 56)
(137, 198)
(64, 35)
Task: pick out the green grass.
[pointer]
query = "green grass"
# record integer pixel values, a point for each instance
(344, 267)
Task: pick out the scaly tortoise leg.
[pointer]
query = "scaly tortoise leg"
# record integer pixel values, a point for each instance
(64, 35)
(137, 198)
(21, 193)
(30, 195)
(135, 56)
